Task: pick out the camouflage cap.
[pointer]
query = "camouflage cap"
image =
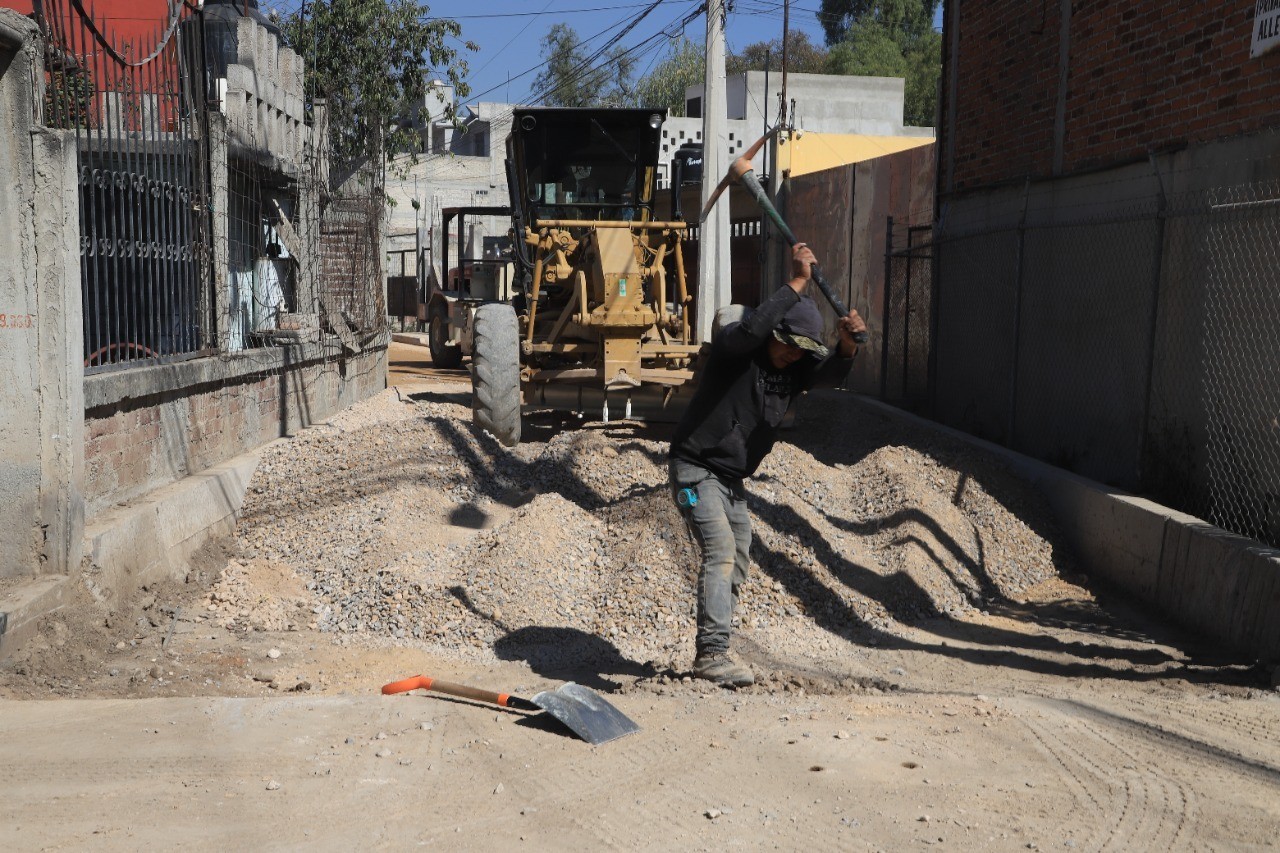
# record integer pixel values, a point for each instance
(802, 327)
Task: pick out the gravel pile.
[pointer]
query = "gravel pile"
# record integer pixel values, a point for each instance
(571, 546)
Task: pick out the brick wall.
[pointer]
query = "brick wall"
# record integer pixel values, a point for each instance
(1142, 77)
(140, 443)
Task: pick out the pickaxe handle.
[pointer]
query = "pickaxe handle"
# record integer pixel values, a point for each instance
(748, 179)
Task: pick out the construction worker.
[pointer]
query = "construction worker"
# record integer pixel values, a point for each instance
(756, 369)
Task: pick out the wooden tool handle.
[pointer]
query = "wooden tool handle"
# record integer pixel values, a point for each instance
(422, 682)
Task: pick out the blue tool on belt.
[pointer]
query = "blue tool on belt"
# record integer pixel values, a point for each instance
(687, 497)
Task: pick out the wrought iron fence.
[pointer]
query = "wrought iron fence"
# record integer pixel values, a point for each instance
(1136, 347)
(136, 106)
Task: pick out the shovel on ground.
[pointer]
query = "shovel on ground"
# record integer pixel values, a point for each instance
(583, 711)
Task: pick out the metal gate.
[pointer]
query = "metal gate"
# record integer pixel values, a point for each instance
(136, 102)
(906, 374)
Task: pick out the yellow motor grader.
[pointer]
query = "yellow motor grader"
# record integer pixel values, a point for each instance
(598, 318)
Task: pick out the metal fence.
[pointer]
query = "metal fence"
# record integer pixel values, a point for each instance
(1137, 347)
(906, 369)
(350, 273)
(202, 237)
(137, 109)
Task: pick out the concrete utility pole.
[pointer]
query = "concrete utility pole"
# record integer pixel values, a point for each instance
(714, 285)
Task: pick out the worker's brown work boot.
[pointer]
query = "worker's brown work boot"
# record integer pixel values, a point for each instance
(721, 668)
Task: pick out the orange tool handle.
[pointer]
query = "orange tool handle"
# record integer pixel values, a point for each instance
(422, 682)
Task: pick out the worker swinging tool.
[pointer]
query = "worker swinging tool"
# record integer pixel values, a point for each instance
(754, 370)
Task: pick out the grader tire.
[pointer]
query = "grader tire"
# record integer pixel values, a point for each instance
(495, 373)
(443, 356)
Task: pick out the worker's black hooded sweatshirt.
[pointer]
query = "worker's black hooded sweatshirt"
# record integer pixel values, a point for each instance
(732, 420)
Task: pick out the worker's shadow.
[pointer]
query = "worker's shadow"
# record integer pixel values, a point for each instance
(561, 654)
(567, 654)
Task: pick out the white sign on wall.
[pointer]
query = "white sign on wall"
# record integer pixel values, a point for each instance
(1266, 27)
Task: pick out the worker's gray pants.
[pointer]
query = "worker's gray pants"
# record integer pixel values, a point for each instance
(720, 523)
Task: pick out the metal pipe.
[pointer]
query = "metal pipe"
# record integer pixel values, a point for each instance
(649, 403)
(609, 223)
(888, 302)
(660, 285)
(584, 315)
(683, 286)
(537, 290)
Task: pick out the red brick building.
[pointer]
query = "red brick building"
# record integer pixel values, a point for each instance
(1043, 89)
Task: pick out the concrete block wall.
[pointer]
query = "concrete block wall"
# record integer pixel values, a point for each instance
(265, 96)
(1061, 87)
(149, 427)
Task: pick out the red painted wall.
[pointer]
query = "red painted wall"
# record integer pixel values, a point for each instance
(125, 19)
(142, 97)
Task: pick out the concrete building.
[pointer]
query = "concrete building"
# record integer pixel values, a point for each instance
(458, 166)
(824, 103)
(158, 328)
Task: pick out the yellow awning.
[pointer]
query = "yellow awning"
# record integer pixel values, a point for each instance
(813, 152)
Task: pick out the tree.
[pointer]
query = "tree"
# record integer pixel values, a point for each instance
(888, 38)
(574, 75)
(912, 17)
(684, 65)
(374, 61)
(803, 56)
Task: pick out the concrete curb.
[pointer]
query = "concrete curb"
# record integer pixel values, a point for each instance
(21, 609)
(1204, 578)
(418, 339)
(153, 538)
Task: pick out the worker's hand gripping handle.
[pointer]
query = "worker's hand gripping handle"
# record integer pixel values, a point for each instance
(748, 180)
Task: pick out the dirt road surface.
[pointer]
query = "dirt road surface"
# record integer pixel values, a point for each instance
(934, 668)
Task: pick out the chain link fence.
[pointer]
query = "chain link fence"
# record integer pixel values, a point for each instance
(1136, 346)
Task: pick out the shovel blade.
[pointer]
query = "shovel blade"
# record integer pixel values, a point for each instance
(585, 713)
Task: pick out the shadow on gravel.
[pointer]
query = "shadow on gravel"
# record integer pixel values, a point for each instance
(460, 397)
(567, 654)
(561, 654)
(905, 600)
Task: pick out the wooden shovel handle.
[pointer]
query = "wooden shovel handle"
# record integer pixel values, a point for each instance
(422, 682)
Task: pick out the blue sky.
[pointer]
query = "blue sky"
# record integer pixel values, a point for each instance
(509, 32)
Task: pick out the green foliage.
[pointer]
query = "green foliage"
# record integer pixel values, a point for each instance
(684, 65)
(912, 17)
(374, 60)
(574, 76)
(68, 98)
(803, 56)
(888, 38)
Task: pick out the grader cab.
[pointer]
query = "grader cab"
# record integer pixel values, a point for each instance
(600, 318)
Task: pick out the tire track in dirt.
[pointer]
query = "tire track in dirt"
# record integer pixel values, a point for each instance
(1123, 799)
(1185, 746)
(1151, 772)
(1251, 736)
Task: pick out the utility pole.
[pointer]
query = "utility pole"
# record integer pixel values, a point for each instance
(714, 285)
(785, 116)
